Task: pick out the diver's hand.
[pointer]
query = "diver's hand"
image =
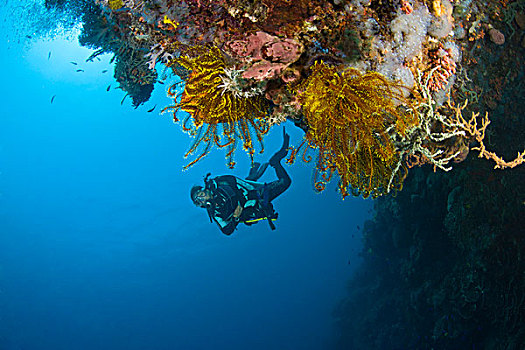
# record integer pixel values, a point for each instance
(237, 212)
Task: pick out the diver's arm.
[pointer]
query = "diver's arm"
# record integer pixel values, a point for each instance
(228, 215)
(226, 226)
(228, 229)
(238, 211)
(229, 226)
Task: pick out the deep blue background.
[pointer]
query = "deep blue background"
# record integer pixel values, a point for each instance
(101, 247)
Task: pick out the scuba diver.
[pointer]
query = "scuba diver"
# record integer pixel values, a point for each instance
(230, 200)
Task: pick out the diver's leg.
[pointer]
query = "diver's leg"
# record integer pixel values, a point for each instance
(283, 181)
(280, 154)
(275, 188)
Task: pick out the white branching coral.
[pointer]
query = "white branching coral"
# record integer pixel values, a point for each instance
(232, 81)
(421, 142)
(439, 139)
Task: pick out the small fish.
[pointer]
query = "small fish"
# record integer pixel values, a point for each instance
(53, 98)
(80, 70)
(104, 71)
(49, 55)
(109, 87)
(98, 58)
(112, 59)
(151, 110)
(160, 82)
(73, 63)
(121, 102)
(29, 36)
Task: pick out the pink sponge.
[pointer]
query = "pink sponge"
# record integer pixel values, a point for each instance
(265, 56)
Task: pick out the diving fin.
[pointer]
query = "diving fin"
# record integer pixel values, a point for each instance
(256, 171)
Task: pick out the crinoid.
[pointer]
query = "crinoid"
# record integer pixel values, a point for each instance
(221, 113)
(115, 4)
(350, 118)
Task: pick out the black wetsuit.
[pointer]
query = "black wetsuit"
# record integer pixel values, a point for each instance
(255, 198)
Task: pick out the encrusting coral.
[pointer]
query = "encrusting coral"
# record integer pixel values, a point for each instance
(246, 66)
(218, 113)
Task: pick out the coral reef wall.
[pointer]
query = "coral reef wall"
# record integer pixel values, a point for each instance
(443, 263)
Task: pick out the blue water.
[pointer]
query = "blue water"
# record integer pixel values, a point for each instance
(101, 247)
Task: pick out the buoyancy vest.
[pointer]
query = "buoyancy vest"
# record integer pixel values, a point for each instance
(228, 191)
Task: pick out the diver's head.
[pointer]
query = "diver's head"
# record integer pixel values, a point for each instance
(200, 196)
